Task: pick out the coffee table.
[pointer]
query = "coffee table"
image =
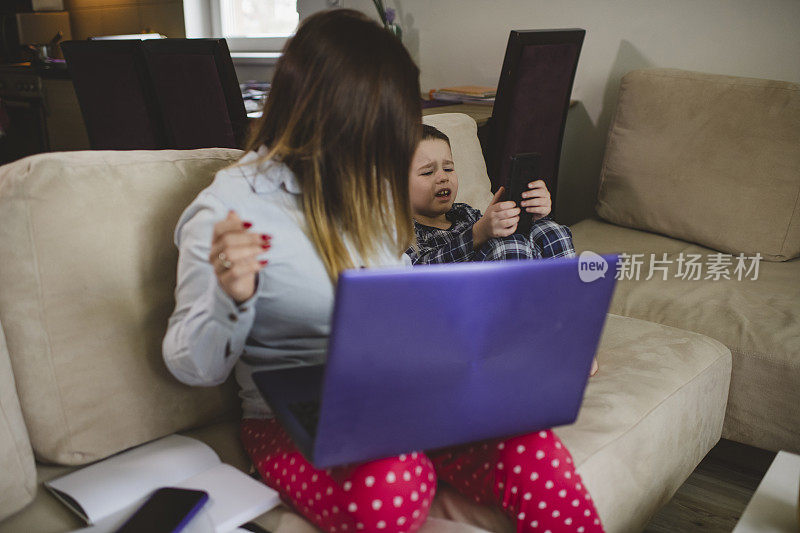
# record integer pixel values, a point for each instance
(773, 507)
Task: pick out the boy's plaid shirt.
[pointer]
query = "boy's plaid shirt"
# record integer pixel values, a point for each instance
(454, 245)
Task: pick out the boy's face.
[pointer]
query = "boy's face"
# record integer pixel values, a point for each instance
(433, 180)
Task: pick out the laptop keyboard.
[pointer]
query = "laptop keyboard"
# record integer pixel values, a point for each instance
(307, 414)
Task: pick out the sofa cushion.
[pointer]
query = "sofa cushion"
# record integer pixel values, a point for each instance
(473, 182)
(708, 159)
(18, 479)
(649, 416)
(759, 320)
(86, 281)
(48, 515)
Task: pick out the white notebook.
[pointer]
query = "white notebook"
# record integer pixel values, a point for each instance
(113, 488)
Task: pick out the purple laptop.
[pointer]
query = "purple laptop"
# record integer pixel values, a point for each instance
(441, 355)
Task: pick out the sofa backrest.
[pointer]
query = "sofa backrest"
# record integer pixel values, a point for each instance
(708, 159)
(87, 274)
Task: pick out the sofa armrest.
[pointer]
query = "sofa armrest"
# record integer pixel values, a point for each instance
(18, 481)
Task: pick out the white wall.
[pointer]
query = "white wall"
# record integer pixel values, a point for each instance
(463, 41)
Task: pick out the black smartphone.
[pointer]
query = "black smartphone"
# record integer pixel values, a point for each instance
(524, 169)
(167, 510)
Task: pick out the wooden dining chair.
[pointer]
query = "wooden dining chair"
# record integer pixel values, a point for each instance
(197, 92)
(532, 100)
(114, 93)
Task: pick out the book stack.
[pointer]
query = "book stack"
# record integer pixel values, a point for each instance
(465, 94)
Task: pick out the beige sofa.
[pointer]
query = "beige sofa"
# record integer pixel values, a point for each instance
(86, 278)
(704, 164)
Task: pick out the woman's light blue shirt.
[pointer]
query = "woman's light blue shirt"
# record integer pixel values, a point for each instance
(287, 322)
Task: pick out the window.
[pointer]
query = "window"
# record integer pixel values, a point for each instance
(254, 25)
(258, 18)
(260, 27)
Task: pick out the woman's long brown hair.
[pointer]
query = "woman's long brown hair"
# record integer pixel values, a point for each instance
(343, 114)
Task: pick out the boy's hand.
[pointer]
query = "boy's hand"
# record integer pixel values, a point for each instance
(538, 201)
(499, 220)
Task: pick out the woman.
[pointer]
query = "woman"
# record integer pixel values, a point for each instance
(323, 187)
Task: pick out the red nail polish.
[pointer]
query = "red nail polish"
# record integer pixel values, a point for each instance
(263, 262)
(266, 246)
(247, 225)
(265, 237)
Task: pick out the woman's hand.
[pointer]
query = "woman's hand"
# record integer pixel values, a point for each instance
(538, 201)
(595, 367)
(234, 253)
(499, 220)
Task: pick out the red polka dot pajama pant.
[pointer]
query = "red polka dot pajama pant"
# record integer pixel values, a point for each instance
(532, 477)
(384, 495)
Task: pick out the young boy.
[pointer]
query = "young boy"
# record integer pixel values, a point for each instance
(449, 232)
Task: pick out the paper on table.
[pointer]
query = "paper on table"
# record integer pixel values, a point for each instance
(773, 507)
(108, 486)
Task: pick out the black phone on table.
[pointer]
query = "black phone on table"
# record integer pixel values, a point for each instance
(167, 510)
(524, 169)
